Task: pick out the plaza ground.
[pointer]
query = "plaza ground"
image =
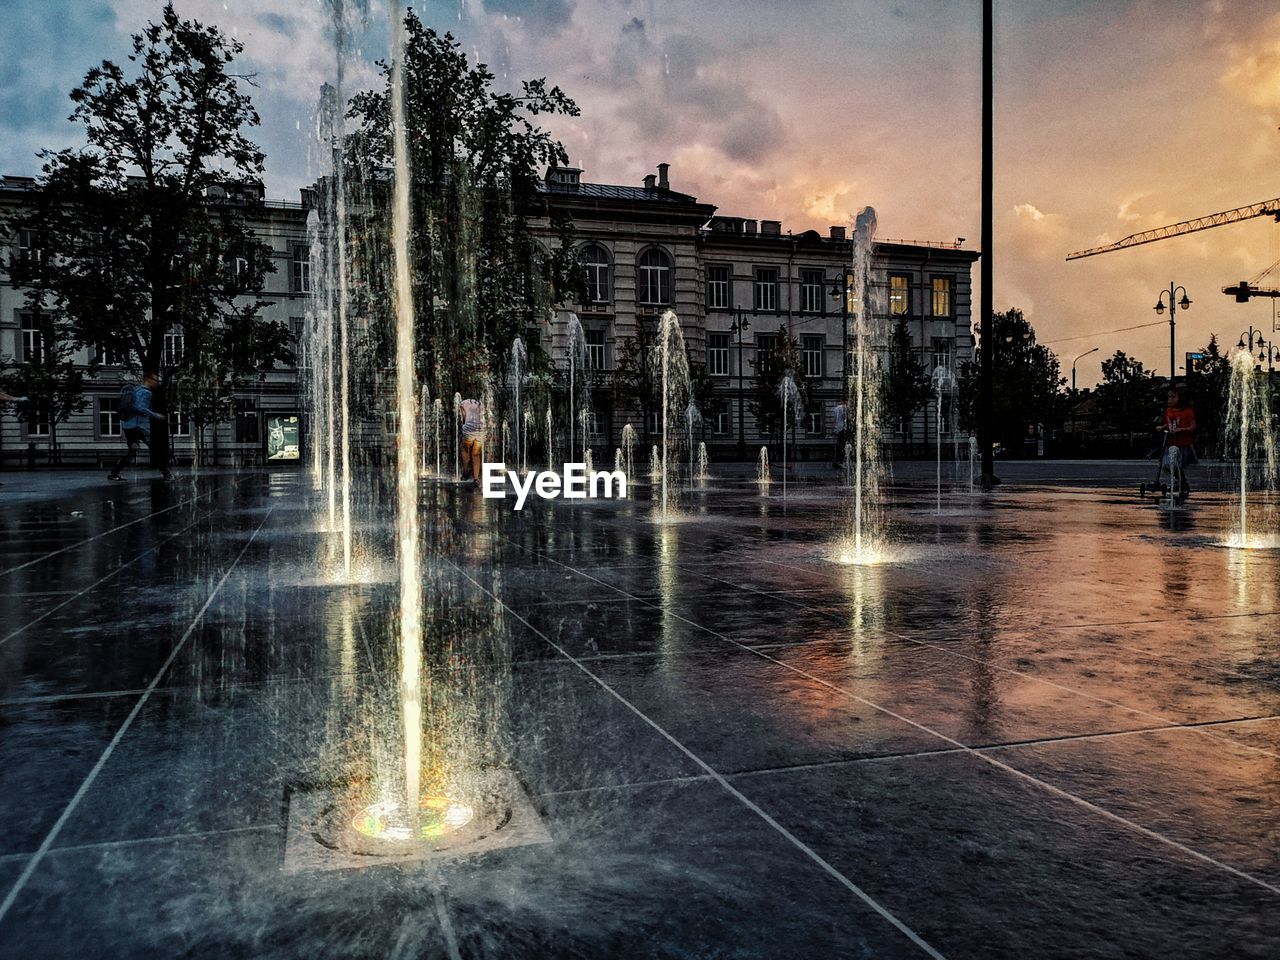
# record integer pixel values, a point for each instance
(1050, 728)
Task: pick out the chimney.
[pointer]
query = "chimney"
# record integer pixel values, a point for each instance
(749, 227)
(663, 183)
(771, 228)
(837, 233)
(648, 182)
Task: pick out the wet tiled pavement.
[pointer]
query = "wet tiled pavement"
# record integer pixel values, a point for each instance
(1052, 729)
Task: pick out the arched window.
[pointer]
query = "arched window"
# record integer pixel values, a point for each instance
(653, 283)
(596, 259)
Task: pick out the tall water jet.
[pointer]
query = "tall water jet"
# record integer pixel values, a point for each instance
(943, 382)
(584, 419)
(762, 470)
(692, 417)
(628, 449)
(457, 436)
(704, 473)
(789, 395)
(1254, 519)
(437, 416)
(618, 463)
(506, 440)
(673, 369)
(515, 372)
(655, 464)
(424, 418)
(577, 352)
(861, 546)
(551, 457)
(526, 429)
(407, 526)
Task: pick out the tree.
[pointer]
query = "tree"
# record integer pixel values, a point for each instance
(1027, 382)
(771, 365)
(50, 380)
(142, 230)
(1128, 396)
(480, 277)
(908, 385)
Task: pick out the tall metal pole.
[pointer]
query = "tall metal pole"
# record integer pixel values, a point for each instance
(985, 426)
(742, 436)
(1173, 354)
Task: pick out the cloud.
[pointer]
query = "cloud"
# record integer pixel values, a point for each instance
(1028, 211)
(550, 15)
(1253, 69)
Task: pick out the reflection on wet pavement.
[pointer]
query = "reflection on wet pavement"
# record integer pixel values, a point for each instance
(1052, 729)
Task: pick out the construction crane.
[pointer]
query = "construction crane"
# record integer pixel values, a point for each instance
(1244, 290)
(1267, 208)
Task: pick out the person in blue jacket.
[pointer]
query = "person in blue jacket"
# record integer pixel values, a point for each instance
(136, 424)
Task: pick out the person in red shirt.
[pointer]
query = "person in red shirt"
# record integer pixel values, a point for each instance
(1180, 428)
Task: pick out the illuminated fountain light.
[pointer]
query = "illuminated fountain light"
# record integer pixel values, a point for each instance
(437, 816)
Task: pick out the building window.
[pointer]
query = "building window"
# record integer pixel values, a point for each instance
(391, 422)
(722, 421)
(300, 279)
(596, 260)
(813, 418)
(766, 343)
(813, 347)
(899, 295)
(718, 289)
(942, 296)
(108, 417)
(174, 345)
(655, 422)
(109, 356)
(654, 281)
(38, 420)
(179, 423)
(811, 290)
(941, 352)
(766, 289)
(595, 349)
(718, 354)
(30, 250)
(32, 338)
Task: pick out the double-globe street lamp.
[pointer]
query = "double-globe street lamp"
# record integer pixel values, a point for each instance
(1174, 304)
(1266, 348)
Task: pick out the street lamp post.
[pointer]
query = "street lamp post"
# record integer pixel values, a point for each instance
(1174, 304)
(1073, 366)
(739, 326)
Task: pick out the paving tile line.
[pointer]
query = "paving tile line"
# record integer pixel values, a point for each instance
(642, 784)
(979, 755)
(115, 529)
(882, 758)
(43, 850)
(97, 583)
(941, 648)
(719, 778)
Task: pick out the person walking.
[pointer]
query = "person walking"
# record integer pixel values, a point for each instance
(136, 418)
(472, 439)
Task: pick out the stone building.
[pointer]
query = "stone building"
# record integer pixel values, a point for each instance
(732, 281)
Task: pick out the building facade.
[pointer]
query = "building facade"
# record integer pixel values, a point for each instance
(733, 282)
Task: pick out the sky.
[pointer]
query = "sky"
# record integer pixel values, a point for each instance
(1112, 116)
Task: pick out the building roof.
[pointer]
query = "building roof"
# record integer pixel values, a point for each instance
(611, 191)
